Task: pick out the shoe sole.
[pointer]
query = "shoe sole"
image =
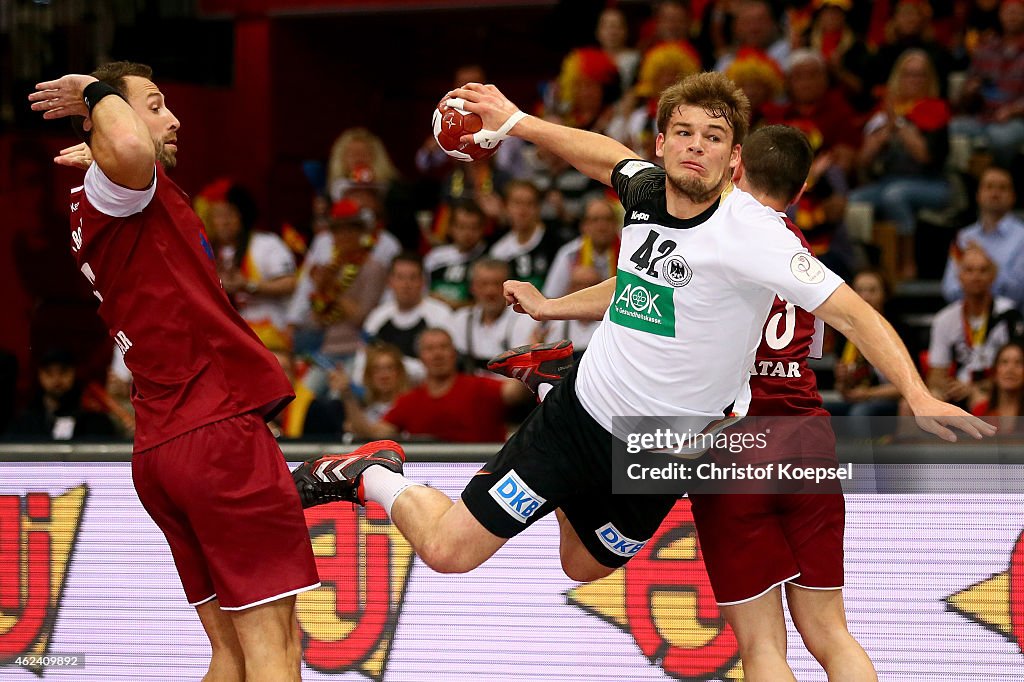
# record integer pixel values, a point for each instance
(384, 446)
(540, 353)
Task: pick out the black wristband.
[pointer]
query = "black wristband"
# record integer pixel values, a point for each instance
(94, 92)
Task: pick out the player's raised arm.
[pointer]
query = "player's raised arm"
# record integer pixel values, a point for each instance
(585, 304)
(592, 154)
(852, 317)
(120, 142)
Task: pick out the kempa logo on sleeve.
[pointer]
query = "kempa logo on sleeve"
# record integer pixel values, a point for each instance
(633, 167)
(516, 497)
(644, 306)
(617, 543)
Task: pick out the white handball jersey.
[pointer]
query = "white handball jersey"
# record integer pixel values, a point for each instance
(691, 298)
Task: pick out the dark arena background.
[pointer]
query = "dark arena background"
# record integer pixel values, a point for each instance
(934, 558)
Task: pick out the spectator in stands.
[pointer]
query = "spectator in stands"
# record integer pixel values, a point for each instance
(530, 246)
(755, 27)
(760, 78)
(340, 283)
(965, 335)
(487, 327)
(823, 114)
(366, 191)
(993, 95)
(980, 24)
(563, 189)
(588, 85)
(357, 148)
(308, 416)
(482, 181)
(844, 55)
(909, 28)
(613, 36)
(634, 123)
(320, 218)
(384, 379)
(257, 269)
(596, 247)
(828, 122)
(1006, 398)
(447, 266)
(578, 331)
(999, 232)
(400, 320)
(56, 411)
(449, 406)
(905, 146)
(671, 22)
(865, 391)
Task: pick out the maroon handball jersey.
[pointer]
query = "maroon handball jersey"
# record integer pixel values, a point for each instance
(781, 383)
(193, 359)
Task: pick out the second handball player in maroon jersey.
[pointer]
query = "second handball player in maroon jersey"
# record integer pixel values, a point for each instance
(205, 466)
(754, 543)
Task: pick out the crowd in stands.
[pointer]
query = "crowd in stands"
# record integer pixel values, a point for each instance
(915, 110)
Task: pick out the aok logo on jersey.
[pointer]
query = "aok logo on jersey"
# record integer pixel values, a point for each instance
(37, 538)
(997, 603)
(639, 304)
(364, 565)
(663, 599)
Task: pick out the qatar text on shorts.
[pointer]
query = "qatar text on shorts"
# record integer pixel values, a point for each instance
(710, 471)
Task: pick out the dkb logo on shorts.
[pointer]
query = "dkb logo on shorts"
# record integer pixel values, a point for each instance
(516, 497)
(612, 538)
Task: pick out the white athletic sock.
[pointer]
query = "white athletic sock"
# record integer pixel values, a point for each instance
(383, 486)
(542, 391)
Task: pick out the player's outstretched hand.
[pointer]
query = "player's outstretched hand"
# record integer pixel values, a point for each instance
(78, 156)
(487, 101)
(935, 416)
(62, 97)
(524, 298)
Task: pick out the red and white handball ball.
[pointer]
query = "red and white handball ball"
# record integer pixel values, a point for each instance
(450, 124)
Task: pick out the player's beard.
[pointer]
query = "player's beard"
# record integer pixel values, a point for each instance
(697, 191)
(165, 156)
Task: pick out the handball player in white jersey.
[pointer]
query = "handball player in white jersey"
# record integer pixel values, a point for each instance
(699, 266)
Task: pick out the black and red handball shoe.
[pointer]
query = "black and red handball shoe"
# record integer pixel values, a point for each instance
(535, 364)
(339, 478)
